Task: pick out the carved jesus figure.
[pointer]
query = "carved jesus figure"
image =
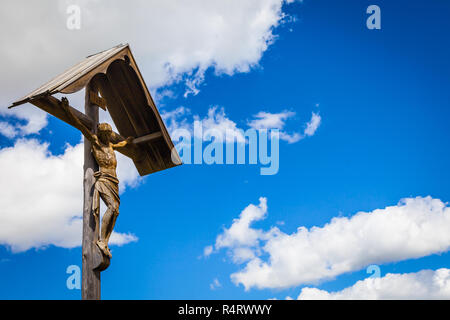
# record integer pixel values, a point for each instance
(106, 183)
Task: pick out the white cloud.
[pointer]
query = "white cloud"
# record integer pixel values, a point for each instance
(243, 241)
(119, 239)
(313, 124)
(172, 41)
(425, 284)
(243, 254)
(240, 234)
(208, 250)
(7, 129)
(176, 119)
(215, 284)
(35, 119)
(414, 228)
(193, 82)
(290, 138)
(217, 121)
(267, 120)
(41, 199)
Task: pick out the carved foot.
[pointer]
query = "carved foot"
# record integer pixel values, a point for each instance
(104, 248)
(109, 252)
(100, 261)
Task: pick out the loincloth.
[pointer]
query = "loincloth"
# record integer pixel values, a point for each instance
(107, 187)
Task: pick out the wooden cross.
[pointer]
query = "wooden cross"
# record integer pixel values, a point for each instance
(123, 93)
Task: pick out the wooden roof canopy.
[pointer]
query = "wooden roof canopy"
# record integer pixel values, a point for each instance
(114, 74)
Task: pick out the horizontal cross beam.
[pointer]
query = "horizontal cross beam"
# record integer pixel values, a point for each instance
(51, 105)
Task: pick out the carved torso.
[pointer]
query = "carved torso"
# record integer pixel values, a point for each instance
(105, 157)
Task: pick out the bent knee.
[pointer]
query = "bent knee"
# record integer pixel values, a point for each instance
(114, 209)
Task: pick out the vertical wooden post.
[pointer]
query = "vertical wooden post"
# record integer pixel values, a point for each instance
(90, 278)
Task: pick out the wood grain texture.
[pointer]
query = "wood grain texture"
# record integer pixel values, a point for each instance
(51, 105)
(90, 288)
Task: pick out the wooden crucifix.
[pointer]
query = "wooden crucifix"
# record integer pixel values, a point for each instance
(113, 82)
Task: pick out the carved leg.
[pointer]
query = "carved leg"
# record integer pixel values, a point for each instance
(97, 221)
(106, 221)
(108, 218)
(111, 226)
(96, 212)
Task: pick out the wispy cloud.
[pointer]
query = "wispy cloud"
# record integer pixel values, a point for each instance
(313, 124)
(217, 120)
(267, 120)
(215, 284)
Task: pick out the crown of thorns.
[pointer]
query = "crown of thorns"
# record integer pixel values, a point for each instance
(104, 127)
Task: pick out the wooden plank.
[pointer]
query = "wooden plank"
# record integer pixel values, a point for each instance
(120, 75)
(98, 101)
(136, 94)
(115, 107)
(140, 109)
(166, 148)
(90, 288)
(120, 117)
(148, 138)
(139, 127)
(51, 105)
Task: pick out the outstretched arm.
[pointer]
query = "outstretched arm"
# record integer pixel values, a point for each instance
(123, 143)
(78, 124)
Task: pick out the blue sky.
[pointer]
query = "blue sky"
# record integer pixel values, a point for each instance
(383, 99)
